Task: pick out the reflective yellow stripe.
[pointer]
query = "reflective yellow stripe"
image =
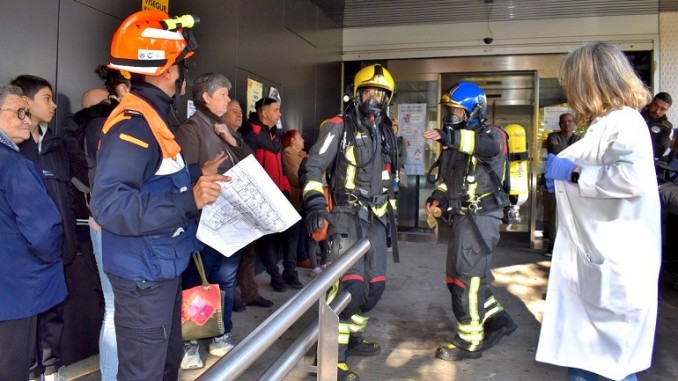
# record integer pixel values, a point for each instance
(471, 333)
(360, 320)
(332, 292)
(359, 323)
(394, 203)
(381, 210)
(441, 187)
(344, 333)
(467, 141)
(133, 140)
(473, 288)
(492, 307)
(313, 186)
(350, 169)
(489, 301)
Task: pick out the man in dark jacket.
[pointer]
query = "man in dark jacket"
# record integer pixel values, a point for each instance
(661, 129)
(263, 136)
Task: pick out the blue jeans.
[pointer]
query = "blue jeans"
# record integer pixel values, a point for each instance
(218, 269)
(108, 347)
(574, 374)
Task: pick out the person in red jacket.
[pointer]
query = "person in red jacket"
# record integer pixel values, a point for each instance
(263, 136)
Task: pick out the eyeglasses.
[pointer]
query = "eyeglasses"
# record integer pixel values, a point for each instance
(20, 113)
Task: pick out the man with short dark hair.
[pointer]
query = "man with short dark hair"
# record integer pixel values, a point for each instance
(263, 136)
(661, 129)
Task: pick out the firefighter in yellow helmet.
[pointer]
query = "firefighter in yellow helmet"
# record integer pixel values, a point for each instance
(471, 189)
(358, 153)
(143, 196)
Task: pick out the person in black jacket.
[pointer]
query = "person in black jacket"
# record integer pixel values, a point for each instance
(85, 127)
(661, 129)
(48, 152)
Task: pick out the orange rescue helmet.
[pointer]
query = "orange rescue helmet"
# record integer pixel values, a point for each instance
(144, 45)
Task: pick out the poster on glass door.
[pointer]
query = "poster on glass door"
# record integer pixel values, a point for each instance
(412, 120)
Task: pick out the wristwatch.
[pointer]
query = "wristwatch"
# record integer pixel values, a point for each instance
(574, 176)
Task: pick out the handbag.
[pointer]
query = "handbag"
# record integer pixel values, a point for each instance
(201, 308)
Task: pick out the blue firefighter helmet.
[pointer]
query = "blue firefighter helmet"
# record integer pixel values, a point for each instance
(467, 96)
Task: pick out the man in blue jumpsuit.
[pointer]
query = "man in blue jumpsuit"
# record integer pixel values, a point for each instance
(358, 153)
(144, 200)
(472, 169)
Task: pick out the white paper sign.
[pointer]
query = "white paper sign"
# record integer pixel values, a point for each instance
(249, 206)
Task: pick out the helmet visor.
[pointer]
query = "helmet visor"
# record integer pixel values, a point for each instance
(454, 115)
(372, 100)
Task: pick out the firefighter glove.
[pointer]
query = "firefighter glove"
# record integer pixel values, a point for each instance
(316, 213)
(446, 137)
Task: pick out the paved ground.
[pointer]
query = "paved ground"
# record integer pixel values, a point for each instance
(414, 317)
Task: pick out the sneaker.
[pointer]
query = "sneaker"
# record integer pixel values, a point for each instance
(260, 301)
(315, 272)
(324, 266)
(56, 376)
(450, 352)
(346, 374)
(221, 345)
(191, 359)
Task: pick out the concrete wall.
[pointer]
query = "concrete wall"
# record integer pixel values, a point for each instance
(668, 56)
(289, 44)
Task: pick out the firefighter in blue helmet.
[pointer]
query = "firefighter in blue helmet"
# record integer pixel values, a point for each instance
(472, 169)
(357, 152)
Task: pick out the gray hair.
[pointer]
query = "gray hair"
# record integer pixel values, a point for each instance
(208, 83)
(6, 90)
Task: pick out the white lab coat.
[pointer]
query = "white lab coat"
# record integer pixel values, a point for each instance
(601, 305)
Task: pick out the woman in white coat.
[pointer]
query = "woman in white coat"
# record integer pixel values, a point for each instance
(601, 307)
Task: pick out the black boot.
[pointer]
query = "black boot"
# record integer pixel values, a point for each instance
(451, 352)
(346, 374)
(357, 346)
(292, 279)
(496, 328)
(277, 283)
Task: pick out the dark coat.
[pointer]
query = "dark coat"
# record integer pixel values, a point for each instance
(52, 161)
(32, 273)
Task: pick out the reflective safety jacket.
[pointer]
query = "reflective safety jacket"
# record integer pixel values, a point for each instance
(354, 156)
(466, 179)
(142, 194)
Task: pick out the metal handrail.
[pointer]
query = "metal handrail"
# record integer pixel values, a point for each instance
(256, 343)
(291, 356)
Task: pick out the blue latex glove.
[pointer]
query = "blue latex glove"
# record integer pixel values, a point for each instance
(557, 168)
(550, 185)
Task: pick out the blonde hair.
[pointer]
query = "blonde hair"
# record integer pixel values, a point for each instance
(598, 78)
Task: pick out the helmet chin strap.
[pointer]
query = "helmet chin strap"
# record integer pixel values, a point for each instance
(183, 75)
